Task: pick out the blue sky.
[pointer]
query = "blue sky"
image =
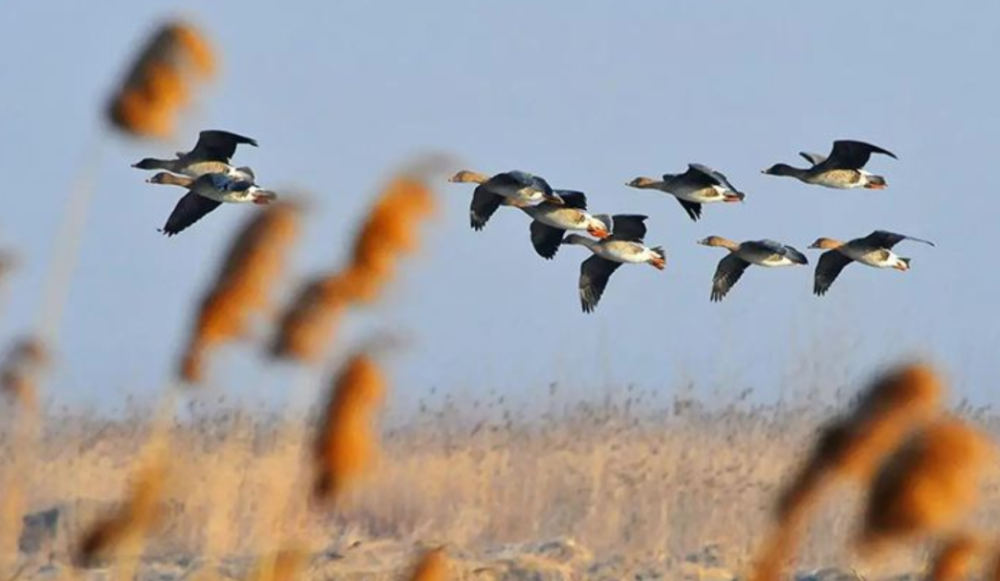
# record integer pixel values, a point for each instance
(587, 97)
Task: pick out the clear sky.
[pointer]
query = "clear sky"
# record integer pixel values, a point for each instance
(586, 94)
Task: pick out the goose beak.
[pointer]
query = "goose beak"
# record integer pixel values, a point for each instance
(659, 263)
(598, 233)
(263, 199)
(881, 186)
(732, 197)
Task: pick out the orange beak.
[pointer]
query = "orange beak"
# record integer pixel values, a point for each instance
(876, 186)
(598, 233)
(659, 263)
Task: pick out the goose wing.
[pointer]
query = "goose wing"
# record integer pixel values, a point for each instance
(813, 158)
(216, 145)
(848, 154)
(629, 227)
(546, 239)
(191, 208)
(774, 248)
(884, 239)
(828, 269)
(728, 272)
(716, 178)
(594, 275)
(484, 205)
(693, 209)
(572, 199)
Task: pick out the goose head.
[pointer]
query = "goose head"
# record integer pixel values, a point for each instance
(718, 242)
(826, 244)
(781, 169)
(468, 177)
(641, 182)
(170, 179)
(148, 163)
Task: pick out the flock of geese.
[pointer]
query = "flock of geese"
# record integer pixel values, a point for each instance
(620, 239)
(210, 180)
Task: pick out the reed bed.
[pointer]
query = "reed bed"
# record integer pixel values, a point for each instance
(633, 475)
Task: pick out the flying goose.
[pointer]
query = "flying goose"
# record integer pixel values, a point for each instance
(512, 188)
(551, 221)
(760, 252)
(624, 245)
(873, 250)
(210, 155)
(207, 192)
(841, 170)
(698, 185)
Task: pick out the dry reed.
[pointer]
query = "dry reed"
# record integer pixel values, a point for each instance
(925, 486)
(955, 558)
(122, 532)
(388, 233)
(158, 83)
(252, 266)
(431, 566)
(850, 447)
(346, 443)
(21, 369)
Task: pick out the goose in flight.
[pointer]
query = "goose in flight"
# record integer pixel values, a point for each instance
(207, 192)
(698, 185)
(512, 188)
(874, 250)
(842, 169)
(210, 155)
(625, 245)
(549, 222)
(766, 253)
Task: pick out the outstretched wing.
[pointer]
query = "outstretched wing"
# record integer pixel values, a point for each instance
(484, 204)
(191, 208)
(594, 275)
(729, 271)
(715, 177)
(813, 158)
(546, 239)
(692, 208)
(848, 154)
(215, 145)
(628, 227)
(827, 269)
(572, 199)
(884, 239)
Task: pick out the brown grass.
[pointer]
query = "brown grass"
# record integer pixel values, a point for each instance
(346, 443)
(158, 83)
(252, 268)
(927, 485)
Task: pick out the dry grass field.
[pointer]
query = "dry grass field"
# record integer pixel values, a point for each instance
(593, 490)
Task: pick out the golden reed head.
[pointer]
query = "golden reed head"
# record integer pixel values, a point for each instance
(345, 445)
(128, 525)
(432, 565)
(955, 558)
(927, 485)
(253, 267)
(388, 233)
(158, 84)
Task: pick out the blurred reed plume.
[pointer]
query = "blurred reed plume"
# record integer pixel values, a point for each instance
(850, 447)
(955, 558)
(926, 485)
(346, 442)
(387, 234)
(123, 531)
(21, 368)
(431, 566)
(159, 82)
(253, 265)
(282, 565)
